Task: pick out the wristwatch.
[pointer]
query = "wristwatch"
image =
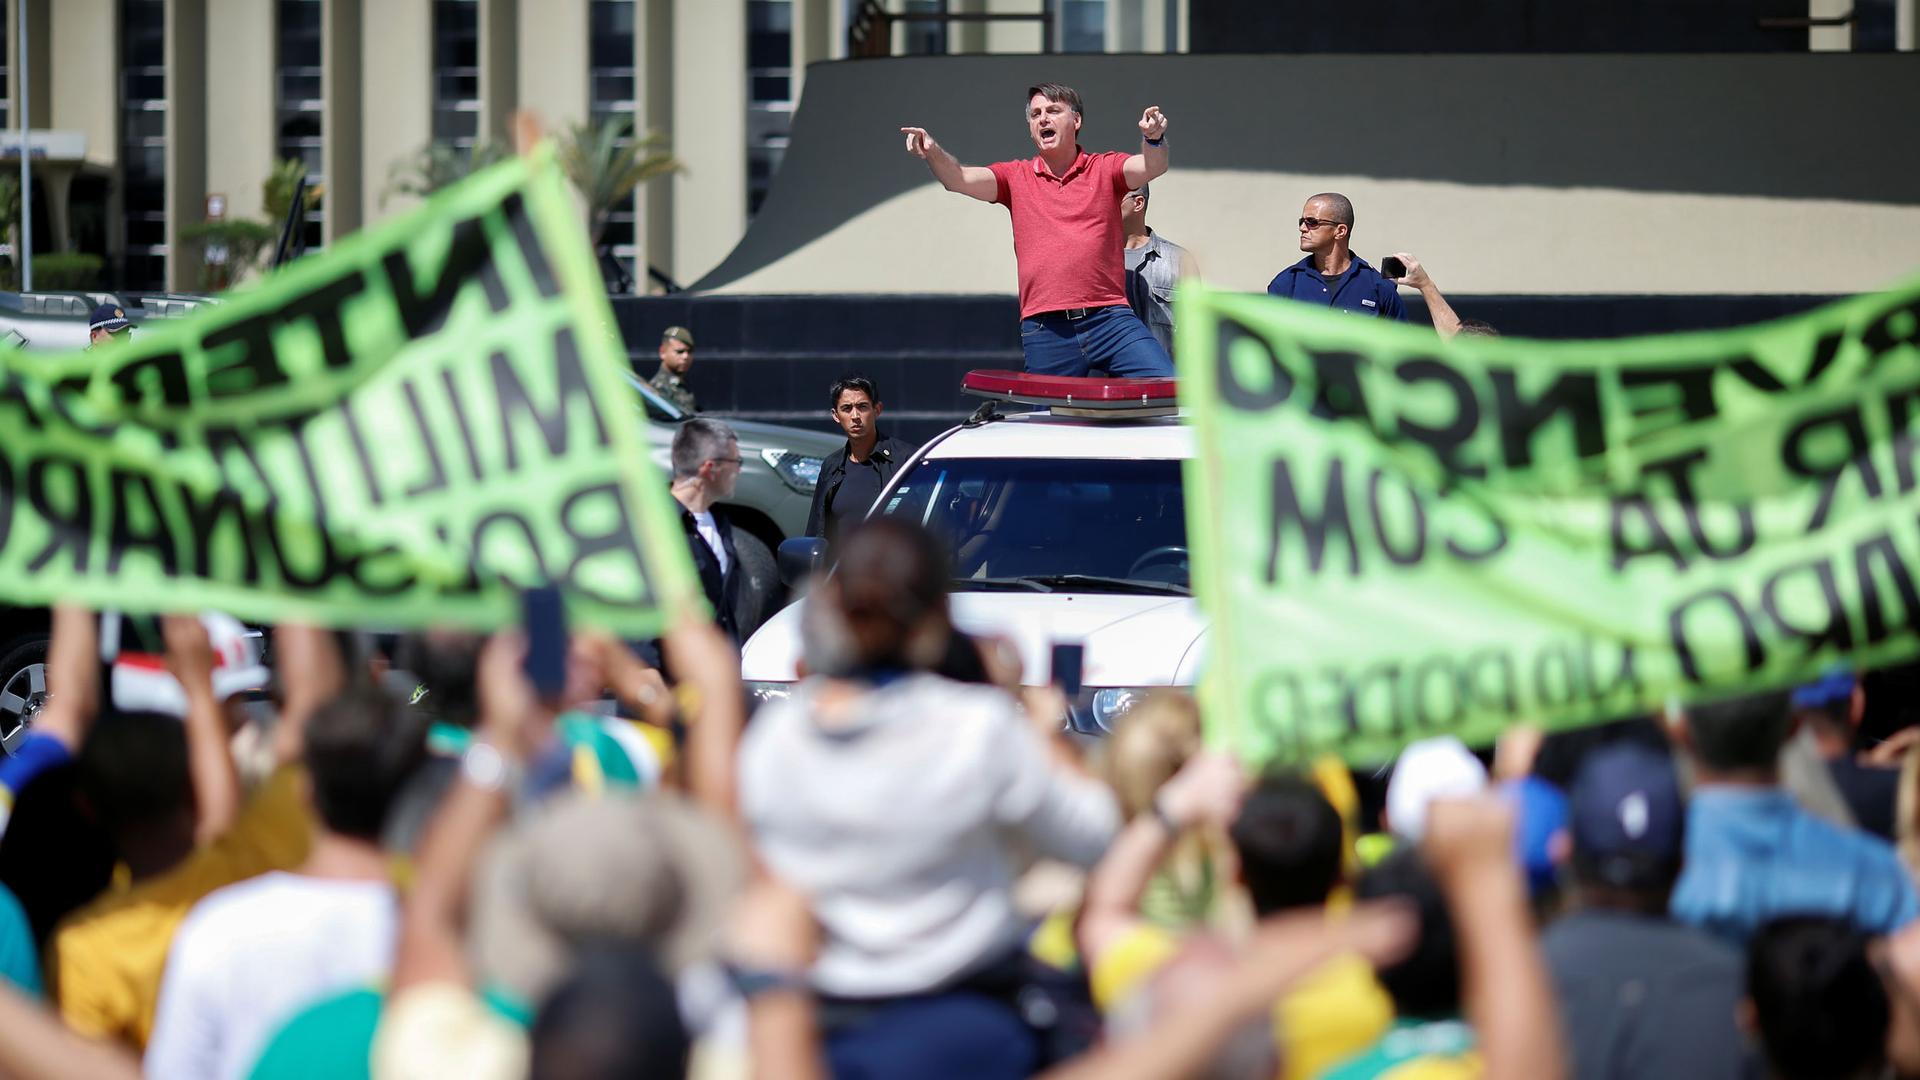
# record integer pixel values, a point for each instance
(1161, 141)
(485, 767)
(752, 982)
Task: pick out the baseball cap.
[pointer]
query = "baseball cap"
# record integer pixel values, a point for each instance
(109, 317)
(680, 334)
(140, 681)
(651, 870)
(1833, 687)
(1628, 822)
(1436, 768)
(1540, 812)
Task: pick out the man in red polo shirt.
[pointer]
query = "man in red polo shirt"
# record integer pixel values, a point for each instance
(1067, 239)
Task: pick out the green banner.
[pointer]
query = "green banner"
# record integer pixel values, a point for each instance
(400, 431)
(1397, 536)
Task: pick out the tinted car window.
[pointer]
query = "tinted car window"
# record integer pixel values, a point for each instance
(1017, 518)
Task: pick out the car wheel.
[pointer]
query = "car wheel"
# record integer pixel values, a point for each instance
(760, 587)
(23, 688)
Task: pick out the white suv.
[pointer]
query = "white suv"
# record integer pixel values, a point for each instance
(1068, 525)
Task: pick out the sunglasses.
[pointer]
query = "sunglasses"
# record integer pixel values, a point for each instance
(1314, 223)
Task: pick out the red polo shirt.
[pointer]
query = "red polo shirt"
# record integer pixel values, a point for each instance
(1066, 231)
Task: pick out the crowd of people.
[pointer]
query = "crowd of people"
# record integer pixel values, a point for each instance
(358, 854)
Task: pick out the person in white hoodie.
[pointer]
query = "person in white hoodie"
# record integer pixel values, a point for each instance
(903, 804)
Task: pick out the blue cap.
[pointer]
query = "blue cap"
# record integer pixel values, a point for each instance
(1834, 687)
(109, 317)
(1540, 812)
(1628, 821)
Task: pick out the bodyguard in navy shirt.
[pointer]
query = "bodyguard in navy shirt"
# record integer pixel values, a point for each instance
(1331, 275)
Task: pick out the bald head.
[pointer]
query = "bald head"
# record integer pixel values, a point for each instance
(1333, 206)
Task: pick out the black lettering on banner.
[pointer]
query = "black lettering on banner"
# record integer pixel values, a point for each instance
(252, 367)
(7, 494)
(527, 239)
(1693, 381)
(363, 566)
(1416, 548)
(63, 395)
(1383, 679)
(1754, 375)
(1679, 472)
(617, 537)
(1556, 655)
(1503, 693)
(1338, 393)
(1445, 442)
(1677, 632)
(1448, 682)
(1493, 546)
(68, 527)
(1627, 677)
(487, 524)
(1574, 394)
(470, 584)
(1895, 327)
(296, 429)
(323, 304)
(1831, 629)
(424, 313)
(1824, 352)
(1235, 393)
(459, 409)
(571, 382)
(124, 486)
(1288, 511)
(368, 475)
(206, 511)
(1630, 510)
(166, 368)
(13, 391)
(283, 536)
(1872, 609)
(436, 478)
(1900, 410)
(1793, 454)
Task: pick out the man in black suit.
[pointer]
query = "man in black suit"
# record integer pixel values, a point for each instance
(706, 462)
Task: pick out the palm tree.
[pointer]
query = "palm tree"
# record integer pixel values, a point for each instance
(438, 165)
(606, 162)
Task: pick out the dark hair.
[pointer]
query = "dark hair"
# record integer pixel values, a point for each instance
(1342, 207)
(616, 1016)
(133, 769)
(1822, 1009)
(1145, 195)
(852, 382)
(893, 573)
(445, 665)
(1477, 328)
(1289, 840)
(1740, 733)
(53, 857)
(361, 749)
(697, 442)
(1426, 983)
(1052, 91)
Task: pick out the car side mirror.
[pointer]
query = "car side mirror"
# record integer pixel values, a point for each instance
(800, 558)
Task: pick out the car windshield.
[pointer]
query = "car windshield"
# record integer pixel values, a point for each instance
(1073, 525)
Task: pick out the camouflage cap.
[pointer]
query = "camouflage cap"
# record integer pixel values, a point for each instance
(678, 333)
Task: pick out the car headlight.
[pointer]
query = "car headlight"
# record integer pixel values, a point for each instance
(766, 693)
(800, 471)
(1096, 711)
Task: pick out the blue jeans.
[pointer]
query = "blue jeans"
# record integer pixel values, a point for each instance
(1113, 338)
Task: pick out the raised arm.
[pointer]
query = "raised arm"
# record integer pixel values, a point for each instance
(73, 677)
(216, 783)
(312, 673)
(706, 665)
(1445, 322)
(1151, 162)
(975, 181)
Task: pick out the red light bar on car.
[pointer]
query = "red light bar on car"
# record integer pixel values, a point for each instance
(1068, 390)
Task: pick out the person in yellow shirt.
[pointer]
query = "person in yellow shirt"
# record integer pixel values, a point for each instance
(146, 781)
(1292, 856)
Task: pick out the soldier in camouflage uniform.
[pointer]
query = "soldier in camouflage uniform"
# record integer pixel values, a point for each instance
(676, 356)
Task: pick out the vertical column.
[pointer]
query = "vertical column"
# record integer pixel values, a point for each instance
(83, 92)
(654, 83)
(710, 134)
(396, 79)
(1018, 37)
(1126, 26)
(499, 59)
(39, 94)
(1829, 38)
(552, 73)
(1155, 18)
(341, 119)
(814, 38)
(186, 151)
(1906, 25)
(240, 96)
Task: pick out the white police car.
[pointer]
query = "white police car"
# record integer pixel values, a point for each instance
(1068, 525)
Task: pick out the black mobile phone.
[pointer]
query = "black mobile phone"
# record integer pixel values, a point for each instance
(1068, 665)
(544, 617)
(1392, 267)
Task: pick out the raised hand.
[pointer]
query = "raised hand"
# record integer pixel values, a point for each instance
(919, 143)
(1153, 123)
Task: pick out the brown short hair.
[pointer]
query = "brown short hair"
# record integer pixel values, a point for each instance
(1053, 91)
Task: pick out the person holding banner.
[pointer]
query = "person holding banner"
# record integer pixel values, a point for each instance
(1331, 275)
(1065, 207)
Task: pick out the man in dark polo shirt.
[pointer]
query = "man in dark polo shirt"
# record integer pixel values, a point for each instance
(1332, 275)
(1067, 239)
(852, 477)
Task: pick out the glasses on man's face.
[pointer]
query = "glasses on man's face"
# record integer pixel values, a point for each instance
(1310, 224)
(725, 460)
